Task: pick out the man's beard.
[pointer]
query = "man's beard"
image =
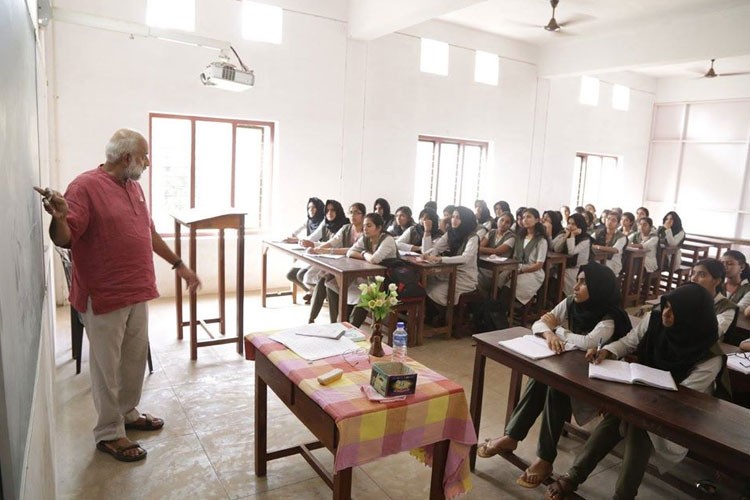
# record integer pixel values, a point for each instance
(134, 171)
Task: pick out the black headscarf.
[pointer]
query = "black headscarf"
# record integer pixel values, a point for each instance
(457, 236)
(679, 347)
(556, 221)
(580, 222)
(484, 214)
(433, 216)
(604, 300)
(320, 214)
(387, 215)
(334, 225)
(676, 223)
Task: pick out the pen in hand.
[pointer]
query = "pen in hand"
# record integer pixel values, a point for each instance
(592, 355)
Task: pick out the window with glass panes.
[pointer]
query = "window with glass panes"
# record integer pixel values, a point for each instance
(595, 180)
(209, 163)
(448, 171)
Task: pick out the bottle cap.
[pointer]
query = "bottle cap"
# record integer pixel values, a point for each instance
(400, 324)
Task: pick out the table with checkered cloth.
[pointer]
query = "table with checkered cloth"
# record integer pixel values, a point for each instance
(370, 430)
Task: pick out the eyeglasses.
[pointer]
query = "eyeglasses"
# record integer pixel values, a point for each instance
(743, 355)
(355, 212)
(356, 357)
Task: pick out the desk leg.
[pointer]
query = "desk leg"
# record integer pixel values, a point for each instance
(178, 280)
(477, 394)
(342, 484)
(264, 276)
(222, 285)
(449, 302)
(514, 393)
(439, 459)
(261, 430)
(343, 297)
(240, 299)
(513, 285)
(193, 298)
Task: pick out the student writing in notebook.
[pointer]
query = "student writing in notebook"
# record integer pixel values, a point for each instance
(590, 316)
(680, 337)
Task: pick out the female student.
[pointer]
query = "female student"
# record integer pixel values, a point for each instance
(500, 207)
(428, 227)
(647, 240)
(677, 337)
(499, 242)
(710, 274)
(531, 252)
(590, 221)
(592, 315)
(518, 224)
(671, 234)
(383, 208)
(484, 219)
(737, 283)
(612, 242)
(577, 244)
(628, 226)
(401, 223)
(459, 245)
(374, 246)
(339, 243)
(552, 222)
(315, 215)
(565, 211)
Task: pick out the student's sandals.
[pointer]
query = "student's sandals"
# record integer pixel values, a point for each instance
(532, 479)
(560, 489)
(146, 422)
(484, 450)
(119, 451)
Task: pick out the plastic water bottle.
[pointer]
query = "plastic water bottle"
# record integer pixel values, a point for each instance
(400, 339)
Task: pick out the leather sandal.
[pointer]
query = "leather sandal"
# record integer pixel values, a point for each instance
(146, 422)
(119, 451)
(560, 489)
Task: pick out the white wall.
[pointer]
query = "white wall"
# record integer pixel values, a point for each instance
(348, 112)
(572, 127)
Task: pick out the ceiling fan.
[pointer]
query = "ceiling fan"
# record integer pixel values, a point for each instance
(553, 25)
(711, 73)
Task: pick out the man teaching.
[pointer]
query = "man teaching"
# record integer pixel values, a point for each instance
(104, 219)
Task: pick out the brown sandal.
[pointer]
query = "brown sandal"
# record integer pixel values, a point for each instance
(146, 422)
(560, 489)
(119, 451)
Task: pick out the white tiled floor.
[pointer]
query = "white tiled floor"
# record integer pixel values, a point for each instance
(205, 449)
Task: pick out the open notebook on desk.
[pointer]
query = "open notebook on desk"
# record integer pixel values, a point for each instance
(632, 373)
(532, 347)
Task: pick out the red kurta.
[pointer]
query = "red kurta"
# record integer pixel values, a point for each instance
(111, 243)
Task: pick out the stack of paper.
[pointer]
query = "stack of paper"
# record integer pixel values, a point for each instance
(632, 373)
(313, 342)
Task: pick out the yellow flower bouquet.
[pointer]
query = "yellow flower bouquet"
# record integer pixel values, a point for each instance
(378, 302)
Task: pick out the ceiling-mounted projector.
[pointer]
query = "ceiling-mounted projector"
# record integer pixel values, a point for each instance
(223, 75)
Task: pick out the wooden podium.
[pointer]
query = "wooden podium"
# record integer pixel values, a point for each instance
(197, 219)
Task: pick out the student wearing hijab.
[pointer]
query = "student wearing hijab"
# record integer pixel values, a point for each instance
(383, 208)
(429, 226)
(458, 246)
(611, 241)
(737, 283)
(484, 219)
(590, 316)
(671, 234)
(677, 337)
(374, 246)
(401, 223)
(344, 236)
(552, 222)
(315, 215)
(577, 244)
(710, 274)
(499, 242)
(432, 205)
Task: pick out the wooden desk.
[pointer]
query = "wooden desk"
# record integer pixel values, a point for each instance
(691, 253)
(198, 219)
(553, 260)
(344, 270)
(497, 267)
(721, 245)
(632, 276)
(435, 419)
(714, 429)
(427, 269)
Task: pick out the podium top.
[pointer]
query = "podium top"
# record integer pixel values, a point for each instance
(213, 218)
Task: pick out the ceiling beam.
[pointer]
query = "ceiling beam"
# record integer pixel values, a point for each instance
(665, 41)
(371, 19)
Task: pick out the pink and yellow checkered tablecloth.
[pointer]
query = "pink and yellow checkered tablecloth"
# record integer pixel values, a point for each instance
(370, 430)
